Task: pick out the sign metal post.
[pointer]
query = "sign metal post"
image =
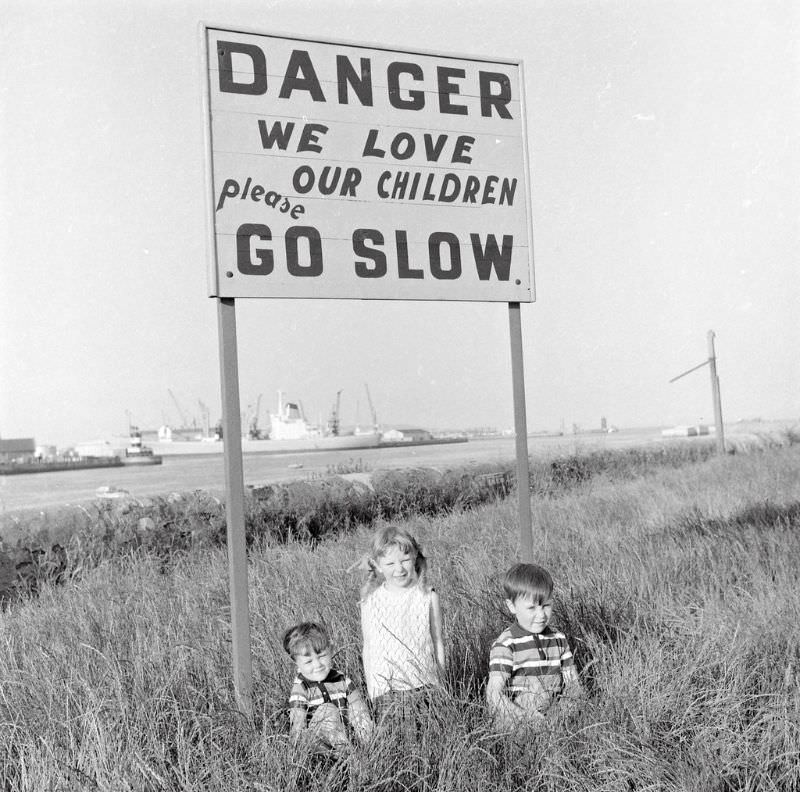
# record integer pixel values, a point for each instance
(521, 431)
(234, 507)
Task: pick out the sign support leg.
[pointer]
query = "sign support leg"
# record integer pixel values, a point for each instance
(234, 507)
(521, 430)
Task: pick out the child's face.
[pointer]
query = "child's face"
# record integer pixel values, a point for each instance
(397, 568)
(531, 614)
(314, 666)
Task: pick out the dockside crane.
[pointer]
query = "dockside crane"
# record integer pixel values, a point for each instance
(205, 417)
(333, 424)
(181, 413)
(371, 408)
(253, 432)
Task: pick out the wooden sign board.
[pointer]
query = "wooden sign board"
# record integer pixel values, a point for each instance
(345, 171)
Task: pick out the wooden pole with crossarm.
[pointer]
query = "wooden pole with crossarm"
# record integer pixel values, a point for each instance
(719, 431)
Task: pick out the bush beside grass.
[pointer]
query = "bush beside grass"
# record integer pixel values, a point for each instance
(61, 547)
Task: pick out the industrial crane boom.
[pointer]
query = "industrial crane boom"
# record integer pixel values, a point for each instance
(254, 433)
(181, 413)
(334, 422)
(371, 408)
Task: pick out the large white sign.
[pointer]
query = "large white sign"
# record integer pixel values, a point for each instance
(344, 171)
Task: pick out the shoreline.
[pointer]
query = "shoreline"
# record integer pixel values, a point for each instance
(76, 489)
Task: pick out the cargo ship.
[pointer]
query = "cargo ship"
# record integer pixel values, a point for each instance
(289, 432)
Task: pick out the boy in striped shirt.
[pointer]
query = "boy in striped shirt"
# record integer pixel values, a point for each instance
(324, 705)
(531, 668)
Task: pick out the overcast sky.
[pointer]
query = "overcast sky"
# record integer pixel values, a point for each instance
(663, 145)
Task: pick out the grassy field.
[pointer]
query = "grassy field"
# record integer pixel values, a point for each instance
(677, 586)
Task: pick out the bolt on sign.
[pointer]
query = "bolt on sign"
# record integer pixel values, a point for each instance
(345, 171)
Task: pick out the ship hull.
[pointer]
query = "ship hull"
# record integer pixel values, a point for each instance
(197, 447)
(143, 460)
(431, 441)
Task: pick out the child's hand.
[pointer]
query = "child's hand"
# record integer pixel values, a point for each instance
(326, 725)
(360, 718)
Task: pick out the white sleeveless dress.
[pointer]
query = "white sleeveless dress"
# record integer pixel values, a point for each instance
(398, 649)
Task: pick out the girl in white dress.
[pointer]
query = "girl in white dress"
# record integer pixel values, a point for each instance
(401, 622)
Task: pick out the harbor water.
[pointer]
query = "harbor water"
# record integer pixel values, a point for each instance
(45, 491)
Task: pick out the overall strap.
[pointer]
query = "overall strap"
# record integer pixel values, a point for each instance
(326, 697)
(538, 641)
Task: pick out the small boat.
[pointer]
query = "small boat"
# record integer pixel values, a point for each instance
(138, 454)
(107, 492)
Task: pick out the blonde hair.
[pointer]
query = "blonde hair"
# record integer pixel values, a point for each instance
(383, 540)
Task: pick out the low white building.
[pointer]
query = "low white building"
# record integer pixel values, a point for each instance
(406, 435)
(103, 449)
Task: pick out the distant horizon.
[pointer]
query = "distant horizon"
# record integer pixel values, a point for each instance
(387, 425)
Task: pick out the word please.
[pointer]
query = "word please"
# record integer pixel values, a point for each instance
(443, 259)
(231, 189)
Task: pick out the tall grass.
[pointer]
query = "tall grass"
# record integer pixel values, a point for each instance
(678, 590)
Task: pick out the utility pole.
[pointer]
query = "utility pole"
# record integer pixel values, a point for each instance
(712, 364)
(719, 431)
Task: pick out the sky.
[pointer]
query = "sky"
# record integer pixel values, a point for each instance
(663, 151)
